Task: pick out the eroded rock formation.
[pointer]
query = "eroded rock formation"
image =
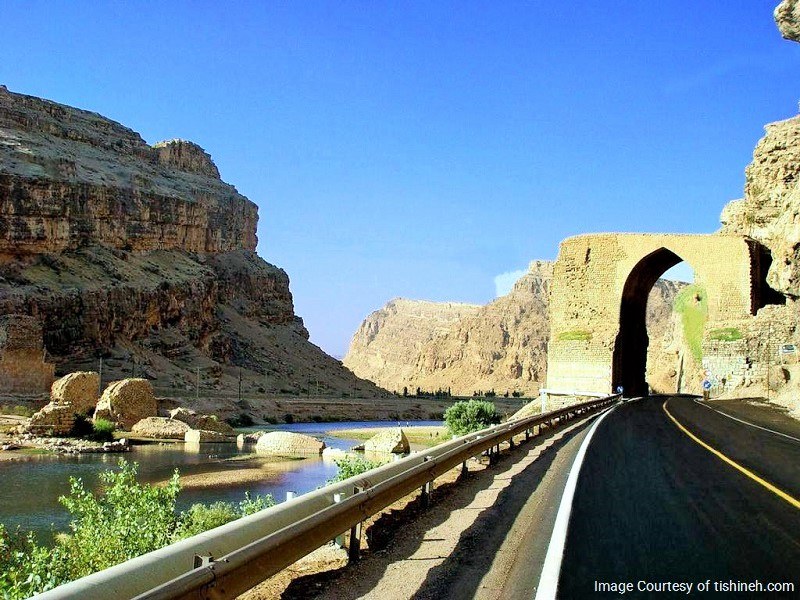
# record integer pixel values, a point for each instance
(787, 16)
(72, 178)
(79, 390)
(126, 403)
(160, 428)
(390, 341)
(288, 443)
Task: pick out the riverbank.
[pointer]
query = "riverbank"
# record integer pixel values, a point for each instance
(317, 409)
(425, 436)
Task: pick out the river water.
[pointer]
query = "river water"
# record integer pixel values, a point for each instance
(30, 488)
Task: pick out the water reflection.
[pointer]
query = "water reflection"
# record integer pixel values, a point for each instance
(31, 486)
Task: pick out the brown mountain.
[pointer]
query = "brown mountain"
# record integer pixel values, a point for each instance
(142, 256)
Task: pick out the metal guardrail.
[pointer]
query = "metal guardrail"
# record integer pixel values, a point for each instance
(229, 560)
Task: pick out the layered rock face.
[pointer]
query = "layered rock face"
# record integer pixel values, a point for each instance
(143, 257)
(501, 346)
(71, 178)
(389, 342)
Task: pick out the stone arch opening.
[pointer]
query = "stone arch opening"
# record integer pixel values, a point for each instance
(629, 362)
(762, 294)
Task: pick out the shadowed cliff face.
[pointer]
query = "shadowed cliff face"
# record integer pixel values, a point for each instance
(143, 256)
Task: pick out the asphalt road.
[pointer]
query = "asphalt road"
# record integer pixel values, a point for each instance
(652, 505)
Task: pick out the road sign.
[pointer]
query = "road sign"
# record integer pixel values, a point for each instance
(706, 385)
(620, 389)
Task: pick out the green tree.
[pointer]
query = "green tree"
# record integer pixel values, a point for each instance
(468, 416)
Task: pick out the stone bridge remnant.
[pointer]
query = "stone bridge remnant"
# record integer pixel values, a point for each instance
(23, 369)
(598, 335)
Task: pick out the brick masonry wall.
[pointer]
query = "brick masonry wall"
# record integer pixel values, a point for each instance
(589, 278)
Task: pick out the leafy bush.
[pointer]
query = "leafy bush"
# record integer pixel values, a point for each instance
(202, 517)
(251, 505)
(103, 430)
(472, 415)
(352, 465)
(27, 568)
(127, 519)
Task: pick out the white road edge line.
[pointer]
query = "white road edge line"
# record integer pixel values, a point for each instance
(551, 570)
(747, 422)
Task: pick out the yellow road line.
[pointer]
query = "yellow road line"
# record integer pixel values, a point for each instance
(777, 491)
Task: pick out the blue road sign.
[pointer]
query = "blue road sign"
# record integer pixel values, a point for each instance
(706, 385)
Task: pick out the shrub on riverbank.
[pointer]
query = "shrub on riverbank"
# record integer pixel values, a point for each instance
(123, 521)
(202, 517)
(473, 415)
(351, 465)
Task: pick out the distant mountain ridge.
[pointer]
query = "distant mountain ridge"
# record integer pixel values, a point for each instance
(501, 346)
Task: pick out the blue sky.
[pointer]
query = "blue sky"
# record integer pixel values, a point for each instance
(421, 149)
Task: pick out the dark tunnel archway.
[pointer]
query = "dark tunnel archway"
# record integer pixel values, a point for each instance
(629, 363)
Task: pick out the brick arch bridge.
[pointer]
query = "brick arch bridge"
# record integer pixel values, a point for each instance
(598, 337)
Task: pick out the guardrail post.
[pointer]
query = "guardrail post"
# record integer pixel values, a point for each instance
(464, 469)
(425, 492)
(339, 539)
(425, 495)
(354, 548)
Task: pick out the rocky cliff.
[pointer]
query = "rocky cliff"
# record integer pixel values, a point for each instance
(388, 344)
(142, 256)
(501, 346)
(770, 213)
(72, 178)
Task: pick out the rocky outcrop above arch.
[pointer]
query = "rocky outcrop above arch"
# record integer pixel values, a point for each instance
(770, 209)
(787, 16)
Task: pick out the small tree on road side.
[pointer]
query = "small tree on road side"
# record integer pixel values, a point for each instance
(472, 415)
